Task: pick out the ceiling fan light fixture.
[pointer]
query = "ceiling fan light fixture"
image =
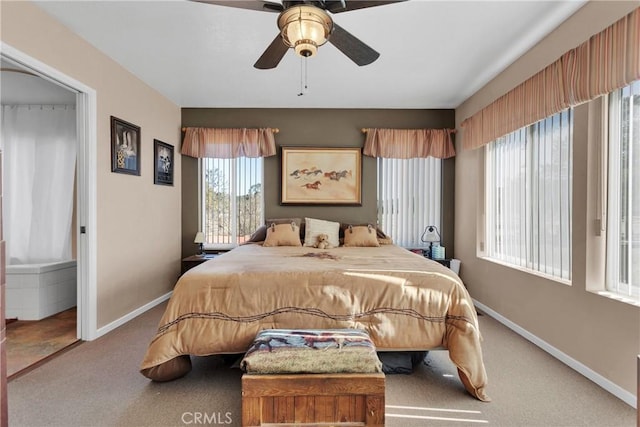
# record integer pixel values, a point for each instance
(306, 48)
(304, 28)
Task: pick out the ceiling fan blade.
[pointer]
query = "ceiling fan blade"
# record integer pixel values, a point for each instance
(260, 5)
(351, 46)
(337, 6)
(272, 56)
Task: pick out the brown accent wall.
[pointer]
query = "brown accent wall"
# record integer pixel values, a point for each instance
(601, 333)
(313, 128)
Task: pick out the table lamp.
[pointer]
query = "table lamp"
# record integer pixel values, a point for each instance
(199, 239)
(431, 236)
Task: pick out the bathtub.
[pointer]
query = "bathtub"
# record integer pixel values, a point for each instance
(36, 291)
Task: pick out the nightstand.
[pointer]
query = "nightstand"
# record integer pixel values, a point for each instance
(451, 263)
(444, 261)
(193, 260)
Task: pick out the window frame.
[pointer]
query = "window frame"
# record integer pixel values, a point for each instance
(487, 191)
(612, 150)
(234, 224)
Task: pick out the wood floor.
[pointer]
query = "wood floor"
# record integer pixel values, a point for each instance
(31, 342)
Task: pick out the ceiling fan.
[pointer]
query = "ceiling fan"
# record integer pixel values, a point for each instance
(305, 25)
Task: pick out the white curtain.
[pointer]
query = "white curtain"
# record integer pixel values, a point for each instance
(38, 173)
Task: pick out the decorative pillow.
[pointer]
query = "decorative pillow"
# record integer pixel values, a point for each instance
(283, 235)
(298, 222)
(381, 234)
(361, 235)
(259, 235)
(313, 227)
(270, 221)
(385, 240)
(276, 351)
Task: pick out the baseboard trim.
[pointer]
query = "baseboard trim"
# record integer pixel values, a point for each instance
(130, 316)
(603, 382)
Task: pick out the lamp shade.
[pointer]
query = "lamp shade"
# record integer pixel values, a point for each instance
(199, 237)
(430, 234)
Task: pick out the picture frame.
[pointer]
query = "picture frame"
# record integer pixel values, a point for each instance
(163, 161)
(125, 147)
(321, 176)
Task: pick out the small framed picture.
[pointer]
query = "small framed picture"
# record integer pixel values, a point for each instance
(125, 147)
(163, 163)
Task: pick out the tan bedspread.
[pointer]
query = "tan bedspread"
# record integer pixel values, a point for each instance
(403, 300)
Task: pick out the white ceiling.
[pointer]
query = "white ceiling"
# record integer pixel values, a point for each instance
(433, 54)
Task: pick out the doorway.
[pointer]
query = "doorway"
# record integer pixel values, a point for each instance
(39, 211)
(84, 226)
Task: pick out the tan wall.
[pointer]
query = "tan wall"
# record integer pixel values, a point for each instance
(315, 128)
(599, 332)
(4, 417)
(138, 223)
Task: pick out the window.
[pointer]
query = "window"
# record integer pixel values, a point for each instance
(623, 210)
(232, 200)
(528, 196)
(409, 198)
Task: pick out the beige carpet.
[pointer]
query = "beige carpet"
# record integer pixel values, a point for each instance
(97, 384)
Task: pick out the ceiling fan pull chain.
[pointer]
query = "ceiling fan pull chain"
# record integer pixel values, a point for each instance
(301, 92)
(303, 76)
(306, 73)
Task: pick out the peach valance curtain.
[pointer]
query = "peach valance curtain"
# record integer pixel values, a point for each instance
(228, 143)
(607, 61)
(409, 143)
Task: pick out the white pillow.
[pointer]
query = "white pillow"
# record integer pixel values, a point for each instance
(313, 227)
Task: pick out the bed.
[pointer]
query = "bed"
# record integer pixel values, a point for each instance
(404, 301)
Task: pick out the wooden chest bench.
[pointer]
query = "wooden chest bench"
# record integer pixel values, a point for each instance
(283, 388)
(288, 399)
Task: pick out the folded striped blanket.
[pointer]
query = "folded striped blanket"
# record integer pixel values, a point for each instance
(311, 351)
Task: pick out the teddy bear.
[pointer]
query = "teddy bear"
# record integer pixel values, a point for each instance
(323, 242)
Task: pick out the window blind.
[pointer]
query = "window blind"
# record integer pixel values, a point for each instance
(409, 198)
(529, 191)
(623, 214)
